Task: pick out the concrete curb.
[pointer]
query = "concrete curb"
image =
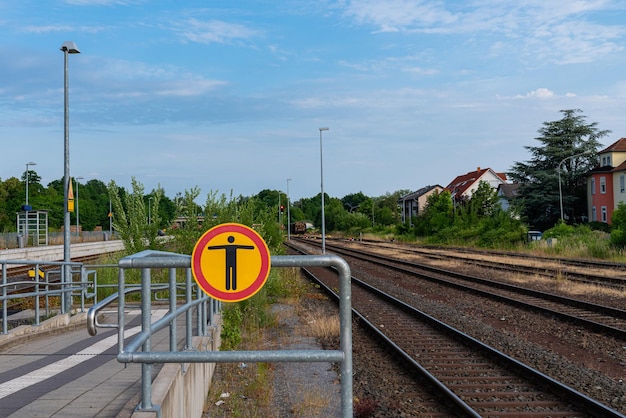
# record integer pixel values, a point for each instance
(56, 324)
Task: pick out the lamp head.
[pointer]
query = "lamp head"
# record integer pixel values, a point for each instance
(70, 47)
(323, 129)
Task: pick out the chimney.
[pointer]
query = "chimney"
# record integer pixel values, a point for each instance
(477, 168)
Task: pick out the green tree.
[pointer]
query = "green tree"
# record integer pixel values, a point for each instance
(352, 202)
(539, 197)
(94, 205)
(618, 223)
(438, 214)
(12, 197)
(482, 204)
(187, 234)
(130, 219)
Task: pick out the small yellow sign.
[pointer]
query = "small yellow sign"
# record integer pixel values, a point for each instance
(70, 192)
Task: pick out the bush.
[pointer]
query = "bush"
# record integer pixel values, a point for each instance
(618, 238)
(560, 230)
(599, 226)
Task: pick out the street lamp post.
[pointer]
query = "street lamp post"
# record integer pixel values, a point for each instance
(110, 219)
(68, 47)
(27, 165)
(322, 186)
(149, 210)
(77, 209)
(288, 213)
(559, 171)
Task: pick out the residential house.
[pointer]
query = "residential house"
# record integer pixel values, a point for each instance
(507, 192)
(606, 184)
(414, 203)
(463, 186)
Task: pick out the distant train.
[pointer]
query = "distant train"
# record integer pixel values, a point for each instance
(299, 227)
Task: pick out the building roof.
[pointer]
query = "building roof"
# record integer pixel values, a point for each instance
(617, 146)
(508, 190)
(460, 184)
(415, 195)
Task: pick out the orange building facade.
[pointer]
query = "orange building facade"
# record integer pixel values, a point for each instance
(606, 184)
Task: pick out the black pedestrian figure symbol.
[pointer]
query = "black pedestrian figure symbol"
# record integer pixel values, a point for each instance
(231, 260)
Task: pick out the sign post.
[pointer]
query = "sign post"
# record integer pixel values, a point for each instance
(230, 262)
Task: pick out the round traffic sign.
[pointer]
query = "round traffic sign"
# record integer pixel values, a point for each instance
(230, 262)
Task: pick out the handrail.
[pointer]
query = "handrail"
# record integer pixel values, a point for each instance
(92, 313)
(41, 288)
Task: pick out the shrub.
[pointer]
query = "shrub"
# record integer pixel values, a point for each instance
(599, 226)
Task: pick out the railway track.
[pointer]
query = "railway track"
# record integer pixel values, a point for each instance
(597, 318)
(24, 281)
(471, 378)
(606, 273)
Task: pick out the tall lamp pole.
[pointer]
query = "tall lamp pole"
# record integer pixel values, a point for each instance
(559, 171)
(27, 165)
(110, 219)
(288, 213)
(149, 210)
(77, 209)
(322, 186)
(68, 47)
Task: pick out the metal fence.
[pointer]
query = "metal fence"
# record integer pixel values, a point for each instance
(139, 349)
(46, 288)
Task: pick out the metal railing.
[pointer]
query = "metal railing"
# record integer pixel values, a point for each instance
(45, 285)
(139, 349)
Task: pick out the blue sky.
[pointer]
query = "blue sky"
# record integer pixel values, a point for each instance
(230, 95)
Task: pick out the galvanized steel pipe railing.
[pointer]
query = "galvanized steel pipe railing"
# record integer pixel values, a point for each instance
(131, 353)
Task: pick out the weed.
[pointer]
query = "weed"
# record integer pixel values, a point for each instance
(326, 329)
(365, 407)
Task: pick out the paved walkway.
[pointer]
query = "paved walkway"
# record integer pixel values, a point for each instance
(69, 374)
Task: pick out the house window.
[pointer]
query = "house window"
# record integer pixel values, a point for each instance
(594, 215)
(622, 184)
(602, 185)
(606, 160)
(604, 218)
(593, 185)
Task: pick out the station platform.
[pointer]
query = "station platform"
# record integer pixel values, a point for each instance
(55, 252)
(65, 372)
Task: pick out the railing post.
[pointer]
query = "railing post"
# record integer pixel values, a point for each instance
(146, 314)
(5, 326)
(189, 313)
(172, 295)
(121, 292)
(37, 294)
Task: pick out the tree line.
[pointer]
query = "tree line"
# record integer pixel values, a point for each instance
(479, 219)
(94, 203)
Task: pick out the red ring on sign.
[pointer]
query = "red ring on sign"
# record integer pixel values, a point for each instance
(201, 245)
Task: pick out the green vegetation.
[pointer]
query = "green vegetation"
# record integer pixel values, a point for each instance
(245, 324)
(566, 152)
(568, 147)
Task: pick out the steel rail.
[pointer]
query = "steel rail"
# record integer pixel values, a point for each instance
(604, 328)
(569, 395)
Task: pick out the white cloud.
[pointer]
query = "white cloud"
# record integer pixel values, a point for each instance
(213, 31)
(541, 93)
(103, 2)
(421, 71)
(183, 88)
(394, 15)
(552, 30)
(62, 28)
